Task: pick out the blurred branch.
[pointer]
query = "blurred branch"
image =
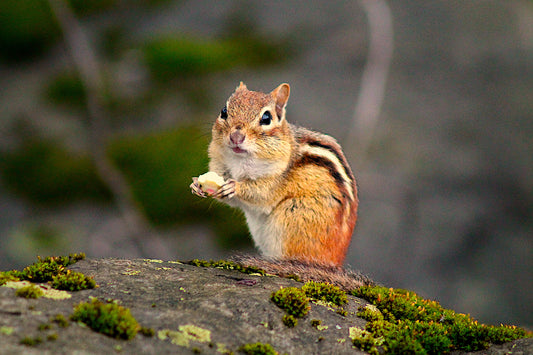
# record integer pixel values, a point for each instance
(91, 76)
(374, 78)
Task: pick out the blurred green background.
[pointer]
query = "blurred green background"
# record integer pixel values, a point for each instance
(446, 192)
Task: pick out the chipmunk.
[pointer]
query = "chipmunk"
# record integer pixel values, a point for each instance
(294, 185)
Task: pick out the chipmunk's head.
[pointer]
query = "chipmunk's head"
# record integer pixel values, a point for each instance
(252, 124)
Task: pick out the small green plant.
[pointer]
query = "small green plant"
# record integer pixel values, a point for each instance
(325, 292)
(365, 340)
(408, 323)
(52, 269)
(44, 326)
(45, 269)
(30, 291)
(370, 313)
(60, 320)
(147, 332)
(6, 276)
(257, 349)
(342, 312)
(292, 300)
(72, 281)
(107, 318)
(315, 322)
(29, 341)
(289, 321)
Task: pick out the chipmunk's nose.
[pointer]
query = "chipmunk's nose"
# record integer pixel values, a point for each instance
(237, 137)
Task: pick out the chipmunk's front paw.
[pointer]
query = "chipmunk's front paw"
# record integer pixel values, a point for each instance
(196, 188)
(227, 190)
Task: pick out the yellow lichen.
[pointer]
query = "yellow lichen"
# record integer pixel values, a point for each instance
(221, 348)
(48, 291)
(185, 334)
(6, 330)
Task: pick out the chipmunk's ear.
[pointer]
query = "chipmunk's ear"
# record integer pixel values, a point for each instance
(242, 86)
(281, 96)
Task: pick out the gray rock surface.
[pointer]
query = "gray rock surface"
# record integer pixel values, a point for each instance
(234, 308)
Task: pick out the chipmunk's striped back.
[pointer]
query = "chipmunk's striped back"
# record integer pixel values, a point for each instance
(317, 150)
(324, 149)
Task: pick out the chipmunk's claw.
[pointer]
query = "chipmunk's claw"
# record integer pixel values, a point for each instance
(227, 190)
(196, 189)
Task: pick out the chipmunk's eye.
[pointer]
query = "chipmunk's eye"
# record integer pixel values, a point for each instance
(266, 119)
(224, 113)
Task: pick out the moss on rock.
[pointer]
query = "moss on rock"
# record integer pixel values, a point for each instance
(107, 318)
(408, 323)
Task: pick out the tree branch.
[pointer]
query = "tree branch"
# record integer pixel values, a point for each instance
(374, 78)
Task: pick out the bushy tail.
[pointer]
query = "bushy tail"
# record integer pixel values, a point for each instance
(304, 271)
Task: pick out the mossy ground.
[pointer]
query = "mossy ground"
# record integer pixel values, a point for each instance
(53, 270)
(402, 322)
(258, 349)
(397, 321)
(325, 292)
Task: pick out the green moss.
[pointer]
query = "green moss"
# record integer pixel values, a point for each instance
(325, 292)
(72, 281)
(147, 332)
(30, 291)
(257, 349)
(30, 341)
(44, 326)
(315, 322)
(292, 300)
(289, 321)
(6, 276)
(370, 313)
(408, 323)
(365, 340)
(42, 271)
(52, 269)
(107, 318)
(68, 260)
(227, 265)
(60, 320)
(52, 337)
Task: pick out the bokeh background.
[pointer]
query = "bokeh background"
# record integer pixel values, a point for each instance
(106, 108)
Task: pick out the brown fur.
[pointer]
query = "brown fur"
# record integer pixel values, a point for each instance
(304, 189)
(345, 279)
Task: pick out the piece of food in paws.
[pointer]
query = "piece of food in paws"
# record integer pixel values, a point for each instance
(210, 182)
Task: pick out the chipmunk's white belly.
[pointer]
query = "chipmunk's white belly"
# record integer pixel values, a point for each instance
(267, 235)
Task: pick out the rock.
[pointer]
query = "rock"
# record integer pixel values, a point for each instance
(191, 310)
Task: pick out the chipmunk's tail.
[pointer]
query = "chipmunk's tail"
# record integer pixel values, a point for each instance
(306, 271)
